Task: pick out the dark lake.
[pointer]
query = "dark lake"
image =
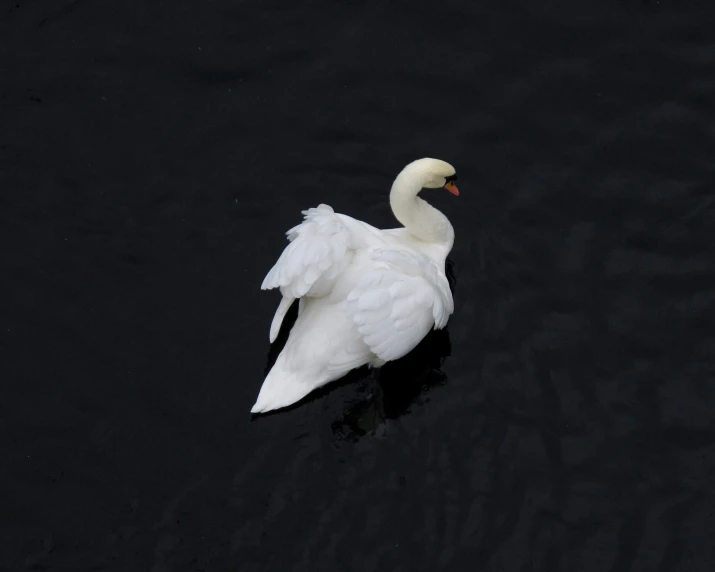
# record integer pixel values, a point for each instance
(152, 156)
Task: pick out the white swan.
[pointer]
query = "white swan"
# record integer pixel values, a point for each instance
(367, 296)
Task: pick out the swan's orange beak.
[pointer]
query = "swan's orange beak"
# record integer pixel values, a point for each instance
(452, 188)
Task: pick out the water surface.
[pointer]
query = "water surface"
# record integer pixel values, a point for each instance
(151, 158)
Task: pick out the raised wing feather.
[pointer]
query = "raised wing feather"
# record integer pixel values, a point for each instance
(396, 303)
(320, 248)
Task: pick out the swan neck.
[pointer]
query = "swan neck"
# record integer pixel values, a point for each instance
(419, 218)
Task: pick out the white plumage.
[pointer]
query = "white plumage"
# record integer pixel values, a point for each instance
(367, 296)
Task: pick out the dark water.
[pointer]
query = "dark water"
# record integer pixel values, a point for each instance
(152, 156)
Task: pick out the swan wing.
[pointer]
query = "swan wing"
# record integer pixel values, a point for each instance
(320, 248)
(397, 301)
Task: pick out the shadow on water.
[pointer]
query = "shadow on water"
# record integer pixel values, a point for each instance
(385, 393)
(396, 387)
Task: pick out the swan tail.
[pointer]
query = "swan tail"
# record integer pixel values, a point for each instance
(281, 388)
(281, 312)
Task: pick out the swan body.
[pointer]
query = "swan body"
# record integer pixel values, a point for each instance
(366, 296)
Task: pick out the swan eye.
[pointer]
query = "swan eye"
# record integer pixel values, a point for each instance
(451, 178)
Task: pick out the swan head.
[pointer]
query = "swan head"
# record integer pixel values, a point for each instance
(433, 174)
